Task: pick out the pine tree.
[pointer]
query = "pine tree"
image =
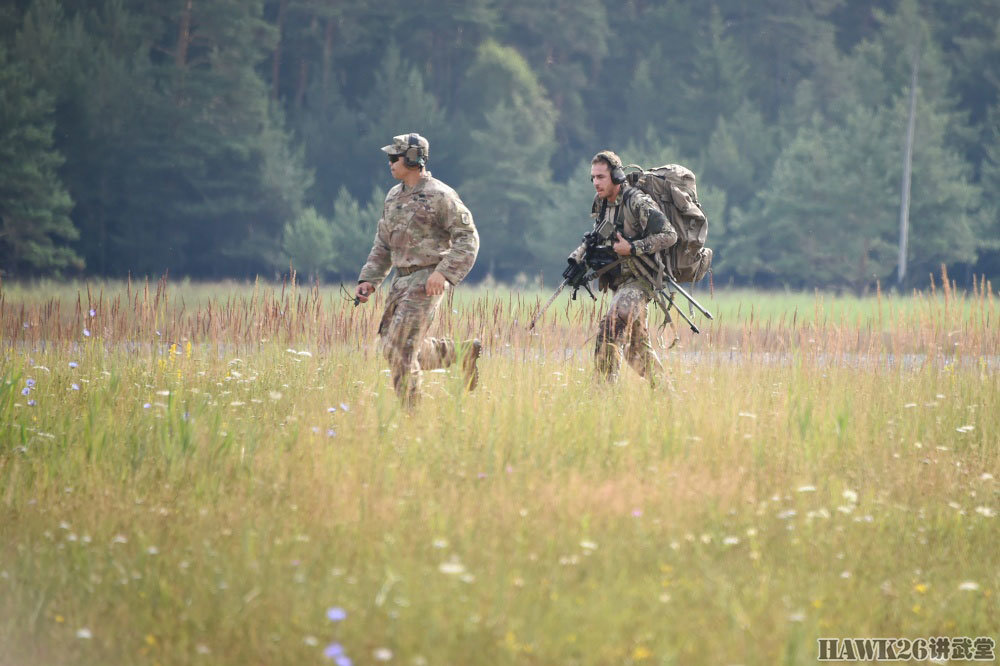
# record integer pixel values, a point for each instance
(35, 228)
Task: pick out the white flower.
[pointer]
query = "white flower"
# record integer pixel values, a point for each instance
(588, 545)
(850, 496)
(747, 415)
(807, 489)
(440, 543)
(452, 567)
(965, 429)
(985, 511)
(382, 654)
(731, 540)
(797, 616)
(84, 633)
(969, 586)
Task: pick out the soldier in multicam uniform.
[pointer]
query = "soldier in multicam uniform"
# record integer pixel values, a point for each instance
(642, 231)
(427, 234)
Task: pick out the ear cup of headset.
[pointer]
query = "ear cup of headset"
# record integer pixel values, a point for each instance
(413, 157)
(618, 175)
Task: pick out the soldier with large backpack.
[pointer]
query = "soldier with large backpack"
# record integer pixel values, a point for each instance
(636, 230)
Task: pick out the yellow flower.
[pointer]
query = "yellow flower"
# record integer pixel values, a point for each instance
(60, 619)
(817, 603)
(916, 609)
(641, 652)
(150, 639)
(920, 587)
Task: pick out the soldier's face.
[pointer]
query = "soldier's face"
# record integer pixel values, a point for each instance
(600, 176)
(397, 167)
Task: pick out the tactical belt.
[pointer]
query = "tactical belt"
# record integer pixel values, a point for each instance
(403, 272)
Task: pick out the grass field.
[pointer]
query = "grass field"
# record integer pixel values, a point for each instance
(220, 474)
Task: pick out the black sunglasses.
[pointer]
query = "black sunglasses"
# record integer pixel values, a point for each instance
(394, 158)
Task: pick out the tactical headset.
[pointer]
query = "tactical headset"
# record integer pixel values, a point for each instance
(414, 155)
(617, 175)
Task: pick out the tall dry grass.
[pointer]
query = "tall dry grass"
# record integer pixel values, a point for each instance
(212, 470)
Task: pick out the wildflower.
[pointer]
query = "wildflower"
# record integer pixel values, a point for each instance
(921, 588)
(344, 407)
(331, 432)
(146, 406)
(845, 574)
(336, 614)
(985, 511)
(333, 650)
(73, 364)
(331, 410)
(86, 332)
(93, 312)
(452, 567)
(75, 387)
(440, 543)
(315, 429)
(274, 395)
(850, 496)
(26, 390)
(153, 550)
(636, 513)
(969, 586)
(343, 660)
(588, 545)
(964, 429)
(986, 476)
(202, 649)
(84, 633)
(29, 382)
(731, 540)
(382, 654)
(32, 403)
(311, 641)
(797, 616)
(807, 489)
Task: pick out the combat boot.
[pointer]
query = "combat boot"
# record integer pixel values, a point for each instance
(471, 349)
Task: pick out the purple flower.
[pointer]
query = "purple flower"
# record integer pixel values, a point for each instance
(637, 512)
(26, 390)
(336, 614)
(146, 406)
(331, 433)
(316, 429)
(29, 382)
(344, 407)
(93, 312)
(333, 650)
(73, 364)
(482, 475)
(32, 403)
(26, 324)
(331, 410)
(86, 332)
(75, 387)
(343, 661)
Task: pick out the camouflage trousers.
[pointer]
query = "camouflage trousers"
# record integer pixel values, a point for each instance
(409, 312)
(624, 332)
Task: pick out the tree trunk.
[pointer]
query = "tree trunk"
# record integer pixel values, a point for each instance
(276, 60)
(184, 35)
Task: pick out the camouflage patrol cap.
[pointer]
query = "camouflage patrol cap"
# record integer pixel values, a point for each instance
(414, 147)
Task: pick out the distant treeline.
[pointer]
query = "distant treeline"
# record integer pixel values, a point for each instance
(214, 138)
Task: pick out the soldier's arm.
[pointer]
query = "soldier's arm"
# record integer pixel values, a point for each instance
(379, 259)
(658, 234)
(458, 260)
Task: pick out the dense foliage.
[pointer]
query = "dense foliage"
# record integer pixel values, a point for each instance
(236, 137)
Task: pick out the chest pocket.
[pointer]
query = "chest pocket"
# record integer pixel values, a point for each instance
(411, 217)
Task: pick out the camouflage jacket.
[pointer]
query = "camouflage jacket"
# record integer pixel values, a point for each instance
(423, 225)
(639, 218)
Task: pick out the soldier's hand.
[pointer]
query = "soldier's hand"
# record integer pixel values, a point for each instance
(364, 290)
(436, 284)
(622, 247)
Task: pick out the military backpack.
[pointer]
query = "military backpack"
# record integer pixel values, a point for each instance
(672, 187)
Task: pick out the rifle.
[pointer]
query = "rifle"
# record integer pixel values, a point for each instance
(597, 258)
